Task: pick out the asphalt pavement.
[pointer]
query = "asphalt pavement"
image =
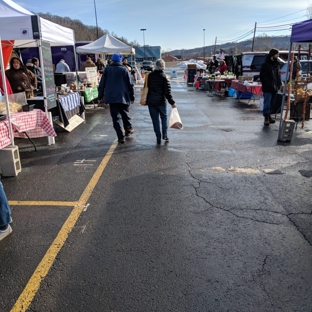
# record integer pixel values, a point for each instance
(216, 219)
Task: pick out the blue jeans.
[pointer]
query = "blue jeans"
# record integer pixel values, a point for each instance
(121, 118)
(268, 102)
(5, 211)
(155, 113)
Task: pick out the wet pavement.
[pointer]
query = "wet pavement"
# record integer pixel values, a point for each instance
(217, 219)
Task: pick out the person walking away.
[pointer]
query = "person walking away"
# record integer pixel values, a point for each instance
(5, 215)
(117, 89)
(159, 91)
(87, 63)
(62, 67)
(271, 83)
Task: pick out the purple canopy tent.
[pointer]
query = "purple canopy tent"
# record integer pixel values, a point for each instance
(300, 32)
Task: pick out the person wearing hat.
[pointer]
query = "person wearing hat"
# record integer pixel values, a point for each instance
(117, 89)
(271, 83)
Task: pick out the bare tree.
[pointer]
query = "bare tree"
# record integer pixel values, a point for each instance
(309, 11)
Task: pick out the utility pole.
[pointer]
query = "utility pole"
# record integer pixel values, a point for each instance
(253, 39)
(97, 28)
(214, 51)
(204, 43)
(143, 29)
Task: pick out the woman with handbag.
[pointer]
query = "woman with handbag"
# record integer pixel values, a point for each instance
(159, 91)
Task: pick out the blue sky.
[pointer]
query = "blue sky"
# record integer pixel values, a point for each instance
(174, 24)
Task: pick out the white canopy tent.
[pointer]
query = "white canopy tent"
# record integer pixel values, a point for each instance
(25, 29)
(107, 44)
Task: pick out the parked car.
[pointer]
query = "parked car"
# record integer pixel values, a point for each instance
(147, 65)
(304, 69)
(249, 63)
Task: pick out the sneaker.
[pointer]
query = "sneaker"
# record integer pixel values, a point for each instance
(11, 220)
(271, 120)
(266, 120)
(128, 133)
(6, 232)
(165, 138)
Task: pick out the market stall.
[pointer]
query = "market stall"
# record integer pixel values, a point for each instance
(107, 44)
(21, 28)
(300, 33)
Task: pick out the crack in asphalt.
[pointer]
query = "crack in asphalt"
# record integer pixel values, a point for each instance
(196, 188)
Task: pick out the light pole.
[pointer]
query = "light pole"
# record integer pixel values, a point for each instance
(143, 29)
(97, 28)
(204, 43)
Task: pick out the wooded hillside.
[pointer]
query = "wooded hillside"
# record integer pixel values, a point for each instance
(82, 31)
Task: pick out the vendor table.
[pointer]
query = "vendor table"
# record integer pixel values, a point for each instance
(67, 106)
(254, 88)
(33, 124)
(89, 94)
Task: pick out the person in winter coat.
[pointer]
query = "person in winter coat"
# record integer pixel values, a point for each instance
(62, 67)
(87, 63)
(100, 65)
(117, 89)
(271, 83)
(159, 91)
(34, 68)
(222, 67)
(21, 79)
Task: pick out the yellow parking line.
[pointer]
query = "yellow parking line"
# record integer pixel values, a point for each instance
(30, 290)
(41, 203)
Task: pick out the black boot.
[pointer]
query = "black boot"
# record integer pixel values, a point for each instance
(271, 120)
(266, 120)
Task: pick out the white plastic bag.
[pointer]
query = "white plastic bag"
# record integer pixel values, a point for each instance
(175, 120)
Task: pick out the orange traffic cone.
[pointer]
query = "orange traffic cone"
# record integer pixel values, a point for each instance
(142, 75)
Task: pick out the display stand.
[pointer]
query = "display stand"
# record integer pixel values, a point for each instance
(191, 72)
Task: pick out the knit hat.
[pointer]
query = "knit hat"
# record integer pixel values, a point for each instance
(116, 58)
(273, 52)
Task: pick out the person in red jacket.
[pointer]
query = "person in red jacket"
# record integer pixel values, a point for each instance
(222, 67)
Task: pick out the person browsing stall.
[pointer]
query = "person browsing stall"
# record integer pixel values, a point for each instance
(159, 92)
(117, 89)
(21, 79)
(271, 82)
(222, 67)
(62, 67)
(100, 65)
(87, 63)
(34, 68)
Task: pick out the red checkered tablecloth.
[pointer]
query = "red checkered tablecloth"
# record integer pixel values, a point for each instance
(35, 123)
(4, 134)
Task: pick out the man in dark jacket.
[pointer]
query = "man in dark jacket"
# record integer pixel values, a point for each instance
(271, 83)
(159, 91)
(117, 89)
